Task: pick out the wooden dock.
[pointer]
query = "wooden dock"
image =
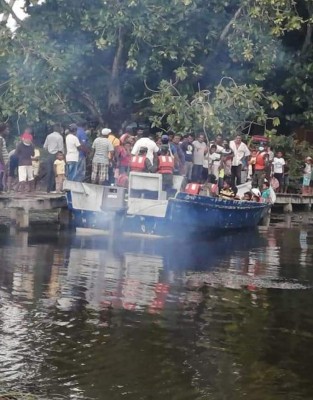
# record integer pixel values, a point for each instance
(288, 200)
(15, 207)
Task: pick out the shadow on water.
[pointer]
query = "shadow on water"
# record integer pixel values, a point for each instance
(96, 317)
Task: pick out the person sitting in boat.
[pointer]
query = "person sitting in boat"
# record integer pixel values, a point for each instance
(256, 195)
(140, 162)
(166, 168)
(227, 192)
(247, 196)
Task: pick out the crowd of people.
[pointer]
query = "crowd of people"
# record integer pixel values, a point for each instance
(214, 167)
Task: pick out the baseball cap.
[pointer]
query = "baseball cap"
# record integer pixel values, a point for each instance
(106, 131)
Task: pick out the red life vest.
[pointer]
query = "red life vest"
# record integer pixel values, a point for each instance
(260, 161)
(166, 165)
(138, 163)
(193, 188)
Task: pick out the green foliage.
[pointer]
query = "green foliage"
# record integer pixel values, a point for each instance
(93, 57)
(294, 152)
(229, 108)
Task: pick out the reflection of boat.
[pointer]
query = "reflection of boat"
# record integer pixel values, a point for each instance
(147, 209)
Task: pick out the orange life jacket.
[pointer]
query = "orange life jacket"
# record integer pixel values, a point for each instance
(138, 163)
(260, 161)
(166, 165)
(193, 188)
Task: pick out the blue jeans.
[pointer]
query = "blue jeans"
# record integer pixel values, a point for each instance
(81, 169)
(71, 170)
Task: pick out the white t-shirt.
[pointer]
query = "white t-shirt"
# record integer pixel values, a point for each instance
(145, 142)
(72, 153)
(240, 152)
(278, 164)
(198, 154)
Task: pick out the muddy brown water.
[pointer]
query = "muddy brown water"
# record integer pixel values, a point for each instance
(87, 317)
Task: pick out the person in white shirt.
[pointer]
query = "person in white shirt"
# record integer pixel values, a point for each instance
(145, 141)
(240, 154)
(72, 152)
(53, 144)
(278, 166)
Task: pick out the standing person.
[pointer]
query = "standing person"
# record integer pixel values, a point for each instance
(278, 169)
(112, 164)
(72, 152)
(24, 153)
(261, 162)
(4, 155)
(83, 152)
(240, 154)
(145, 141)
(102, 150)
(200, 149)
(36, 163)
(214, 159)
(188, 149)
(166, 168)
(180, 166)
(123, 157)
(219, 143)
(59, 171)
(307, 172)
(54, 142)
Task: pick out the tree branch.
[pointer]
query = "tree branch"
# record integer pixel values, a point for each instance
(8, 7)
(228, 26)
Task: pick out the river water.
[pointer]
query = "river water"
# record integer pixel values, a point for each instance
(87, 317)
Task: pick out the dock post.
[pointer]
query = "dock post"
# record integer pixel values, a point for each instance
(288, 208)
(22, 218)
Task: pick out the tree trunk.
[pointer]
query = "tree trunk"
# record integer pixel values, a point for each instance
(114, 92)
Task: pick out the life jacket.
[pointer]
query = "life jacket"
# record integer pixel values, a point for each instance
(193, 188)
(260, 161)
(166, 165)
(138, 163)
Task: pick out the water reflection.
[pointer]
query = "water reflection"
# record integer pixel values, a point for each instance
(91, 317)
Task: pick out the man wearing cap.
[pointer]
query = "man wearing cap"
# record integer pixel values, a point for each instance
(102, 150)
(145, 141)
(72, 152)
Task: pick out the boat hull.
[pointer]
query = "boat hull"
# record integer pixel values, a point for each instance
(202, 213)
(185, 214)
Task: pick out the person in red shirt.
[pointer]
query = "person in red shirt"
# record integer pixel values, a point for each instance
(261, 161)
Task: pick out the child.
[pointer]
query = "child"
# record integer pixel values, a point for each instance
(247, 196)
(307, 176)
(59, 171)
(278, 169)
(266, 192)
(227, 192)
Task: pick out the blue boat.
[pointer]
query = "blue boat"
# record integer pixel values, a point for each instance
(145, 209)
